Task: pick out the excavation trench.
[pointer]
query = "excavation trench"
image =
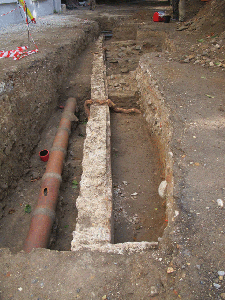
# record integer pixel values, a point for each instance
(135, 161)
(133, 212)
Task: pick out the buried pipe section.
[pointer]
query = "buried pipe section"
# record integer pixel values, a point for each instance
(44, 213)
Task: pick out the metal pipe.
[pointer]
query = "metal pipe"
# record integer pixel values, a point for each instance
(44, 213)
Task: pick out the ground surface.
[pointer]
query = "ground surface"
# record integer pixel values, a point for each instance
(188, 67)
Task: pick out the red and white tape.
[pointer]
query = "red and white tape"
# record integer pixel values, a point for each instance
(10, 11)
(24, 54)
(18, 53)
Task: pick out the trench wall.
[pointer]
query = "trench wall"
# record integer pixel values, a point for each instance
(157, 115)
(27, 97)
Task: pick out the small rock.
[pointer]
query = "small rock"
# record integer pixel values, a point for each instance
(121, 54)
(170, 154)
(2, 87)
(182, 28)
(34, 281)
(124, 70)
(3, 185)
(8, 149)
(113, 60)
(72, 83)
(162, 189)
(191, 56)
(211, 64)
(154, 291)
(170, 270)
(35, 175)
(222, 296)
(125, 182)
(216, 285)
(176, 213)
(134, 194)
(187, 60)
(219, 202)
(129, 51)
(221, 273)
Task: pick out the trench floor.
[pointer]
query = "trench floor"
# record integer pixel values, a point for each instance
(139, 212)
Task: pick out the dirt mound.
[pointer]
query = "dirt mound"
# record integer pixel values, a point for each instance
(204, 42)
(210, 18)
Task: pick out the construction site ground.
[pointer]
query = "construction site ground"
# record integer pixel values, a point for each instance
(187, 67)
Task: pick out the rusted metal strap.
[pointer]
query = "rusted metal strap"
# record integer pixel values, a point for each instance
(111, 105)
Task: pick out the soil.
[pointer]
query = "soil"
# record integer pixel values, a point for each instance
(188, 69)
(139, 212)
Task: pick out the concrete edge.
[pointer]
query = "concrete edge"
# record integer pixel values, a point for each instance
(94, 204)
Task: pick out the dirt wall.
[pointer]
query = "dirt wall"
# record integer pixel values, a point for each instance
(28, 94)
(157, 115)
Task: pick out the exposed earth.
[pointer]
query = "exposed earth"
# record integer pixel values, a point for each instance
(187, 66)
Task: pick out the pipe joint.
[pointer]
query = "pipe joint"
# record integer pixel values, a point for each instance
(58, 149)
(67, 114)
(64, 128)
(52, 175)
(45, 211)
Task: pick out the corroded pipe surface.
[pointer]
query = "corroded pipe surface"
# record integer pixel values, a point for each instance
(44, 214)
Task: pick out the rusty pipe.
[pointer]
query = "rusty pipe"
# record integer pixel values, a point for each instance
(44, 213)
